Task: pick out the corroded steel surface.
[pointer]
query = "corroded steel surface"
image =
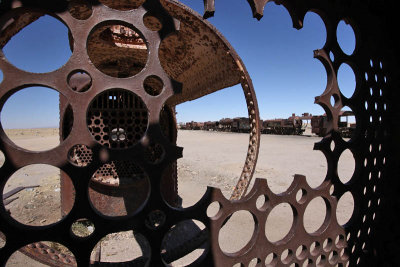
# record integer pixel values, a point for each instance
(184, 67)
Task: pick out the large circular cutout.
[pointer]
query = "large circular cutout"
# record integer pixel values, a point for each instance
(347, 123)
(230, 240)
(117, 118)
(346, 166)
(346, 37)
(345, 208)
(117, 50)
(119, 188)
(279, 222)
(41, 34)
(30, 118)
(315, 214)
(38, 198)
(346, 80)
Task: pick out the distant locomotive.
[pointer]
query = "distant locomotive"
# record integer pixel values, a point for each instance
(319, 124)
(240, 125)
(290, 126)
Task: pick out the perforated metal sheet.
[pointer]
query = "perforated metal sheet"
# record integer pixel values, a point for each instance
(365, 240)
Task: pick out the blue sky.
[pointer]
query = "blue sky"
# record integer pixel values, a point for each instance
(278, 57)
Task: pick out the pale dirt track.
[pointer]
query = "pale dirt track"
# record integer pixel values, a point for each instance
(209, 158)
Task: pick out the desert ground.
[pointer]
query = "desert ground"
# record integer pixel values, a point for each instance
(209, 159)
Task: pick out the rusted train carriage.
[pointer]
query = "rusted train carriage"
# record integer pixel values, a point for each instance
(346, 127)
(240, 125)
(291, 126)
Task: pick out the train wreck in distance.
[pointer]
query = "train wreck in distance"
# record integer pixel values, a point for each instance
(294, 125)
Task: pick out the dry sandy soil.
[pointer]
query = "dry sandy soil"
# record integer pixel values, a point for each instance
(209, 158)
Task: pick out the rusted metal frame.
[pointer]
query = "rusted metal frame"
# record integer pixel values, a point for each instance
(75, 251)
(254, 140)
(339, 189)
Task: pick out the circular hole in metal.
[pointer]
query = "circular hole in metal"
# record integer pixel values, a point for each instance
(152, 21)
(120, 247)
(345, 208)
(80, 155)
(343, 254)
(2, 158)
(79, 81)
(327, 245)
(28, 49)
(279, 222)
(332, 146)
(315, 248)
(331, 190)
(3, 240)
(315, 215)
(319, 166)
(346, 166)
(33, 195)
(31, 119)
(334, 100)
(346, 80)
(301, 252)
(346, 37)
(117, 118)
(271, 259)
(333, 258)
(346, 123)
(119, 188)
(229, 239)
(52, 254)
(82, 228)
(153, 85)
(122, 5)
(155, 219)
(286, 256)
(348, 236)
(321, 261)
(331, 56)
(254, 262)
(80, 9)
(307, 263)
(178, 248)
(261, 202)
(301, 196)
(340, 241)
(213, 209)
(118, 50)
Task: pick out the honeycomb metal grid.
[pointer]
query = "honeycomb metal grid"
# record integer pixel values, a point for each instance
(117, 119)
(369, 144)
(79, 133)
